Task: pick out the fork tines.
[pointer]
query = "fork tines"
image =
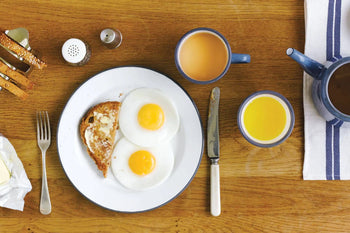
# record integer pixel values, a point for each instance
(44, 141)
(43, 125)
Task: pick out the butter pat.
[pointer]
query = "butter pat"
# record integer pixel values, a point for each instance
(4, 173)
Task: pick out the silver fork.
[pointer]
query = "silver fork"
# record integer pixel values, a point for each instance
(44, 140)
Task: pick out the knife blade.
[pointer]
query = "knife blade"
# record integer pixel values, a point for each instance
(213, 150)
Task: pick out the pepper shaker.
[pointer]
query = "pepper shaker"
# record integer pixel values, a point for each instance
(111, 38)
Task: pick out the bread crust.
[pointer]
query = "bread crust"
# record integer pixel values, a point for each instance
(16, 76)
(13, 88)
(28, 56)
(98, 128)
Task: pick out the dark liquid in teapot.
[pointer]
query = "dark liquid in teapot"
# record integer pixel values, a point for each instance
(339, 89)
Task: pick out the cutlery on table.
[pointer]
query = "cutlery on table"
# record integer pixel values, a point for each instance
(44, 140)
(213, 151)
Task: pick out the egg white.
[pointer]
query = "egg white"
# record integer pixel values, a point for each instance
(130, 127)
(120, 165)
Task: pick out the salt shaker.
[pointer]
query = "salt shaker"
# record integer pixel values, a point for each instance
(111, 38)
(76, 52)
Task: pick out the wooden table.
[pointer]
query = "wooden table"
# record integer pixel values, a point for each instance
(261, 189)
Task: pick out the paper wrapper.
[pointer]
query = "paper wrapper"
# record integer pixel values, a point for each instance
(12, 193)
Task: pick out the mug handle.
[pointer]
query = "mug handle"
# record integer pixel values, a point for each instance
(240, 58)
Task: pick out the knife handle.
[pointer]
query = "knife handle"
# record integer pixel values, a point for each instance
(215, 203)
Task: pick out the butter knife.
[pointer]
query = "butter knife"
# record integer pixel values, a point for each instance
(213, 151)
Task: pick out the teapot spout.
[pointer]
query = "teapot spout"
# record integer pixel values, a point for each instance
(310, 66)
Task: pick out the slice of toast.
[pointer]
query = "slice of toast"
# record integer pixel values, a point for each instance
(16, 76)
(28, 56)
(97, 130)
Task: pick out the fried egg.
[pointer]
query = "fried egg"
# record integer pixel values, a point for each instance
(139, 168)
(148, 117)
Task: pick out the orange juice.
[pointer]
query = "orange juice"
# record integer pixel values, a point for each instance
(203, 56)
(266, 119)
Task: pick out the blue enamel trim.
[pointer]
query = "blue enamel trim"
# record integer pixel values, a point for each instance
(201, 153)
(260, 93)
(324, 90)
(243, 58)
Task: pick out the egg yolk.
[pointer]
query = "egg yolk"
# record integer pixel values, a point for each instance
(142, 162)
(151, 117)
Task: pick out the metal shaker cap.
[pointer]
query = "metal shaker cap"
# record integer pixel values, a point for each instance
(111, 38)
(74, 51)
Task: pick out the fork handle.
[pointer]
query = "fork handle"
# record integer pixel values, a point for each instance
(45, 203)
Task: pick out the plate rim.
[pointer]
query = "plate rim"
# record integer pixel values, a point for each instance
(201, 128)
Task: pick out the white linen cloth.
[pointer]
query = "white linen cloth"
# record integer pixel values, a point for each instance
(327, 146)
(13, 192)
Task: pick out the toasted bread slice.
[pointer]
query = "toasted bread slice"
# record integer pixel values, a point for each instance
(29, 57)
(97, 130)
(16, 76)
(13, 88)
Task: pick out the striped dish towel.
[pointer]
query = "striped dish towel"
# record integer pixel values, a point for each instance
(327, 144)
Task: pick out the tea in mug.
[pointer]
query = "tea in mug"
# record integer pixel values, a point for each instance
(203, 56)
(265, 119)
(339, 89)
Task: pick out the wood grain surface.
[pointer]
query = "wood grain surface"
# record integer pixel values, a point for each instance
(261, 189)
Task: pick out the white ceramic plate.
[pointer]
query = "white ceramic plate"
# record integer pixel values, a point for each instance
(81, 170)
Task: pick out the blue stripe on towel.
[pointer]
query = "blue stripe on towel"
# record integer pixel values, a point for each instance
(329, 150)
(334, 121)
(330, 25)
(337, 29)
(336, 158)
(333, 126)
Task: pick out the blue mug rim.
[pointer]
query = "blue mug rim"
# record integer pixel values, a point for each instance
(284, 99)
(228, 51)
(324, 89)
